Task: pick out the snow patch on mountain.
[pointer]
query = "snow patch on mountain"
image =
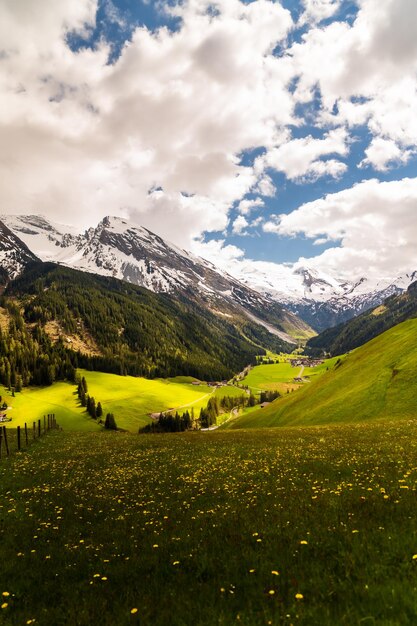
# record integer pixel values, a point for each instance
(14, 255)
(317, 297)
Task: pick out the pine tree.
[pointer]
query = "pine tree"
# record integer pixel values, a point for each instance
(99, 410)
(110, 423)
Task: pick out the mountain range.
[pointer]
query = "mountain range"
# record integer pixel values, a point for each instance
(355, 332)
(133, 254)
(287, 303)
(320, 299)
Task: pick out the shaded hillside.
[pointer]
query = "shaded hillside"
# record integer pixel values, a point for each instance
(376, 381)
(133, 330)
(356, 332)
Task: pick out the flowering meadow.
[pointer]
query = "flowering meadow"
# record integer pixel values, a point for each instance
(281, 526)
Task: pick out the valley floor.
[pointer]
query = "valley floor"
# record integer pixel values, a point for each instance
(312, 526)
(131, 399)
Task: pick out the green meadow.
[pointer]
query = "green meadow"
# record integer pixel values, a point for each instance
(130, 399)
(376, 381)
(280, 376)
(302, 526)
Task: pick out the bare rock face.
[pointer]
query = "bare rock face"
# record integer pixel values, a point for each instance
(14, 255)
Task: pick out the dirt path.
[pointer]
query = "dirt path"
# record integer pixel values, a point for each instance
(184, 406)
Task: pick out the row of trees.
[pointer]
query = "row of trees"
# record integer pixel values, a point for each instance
(170, 423)
(95, 411)
(268, 396)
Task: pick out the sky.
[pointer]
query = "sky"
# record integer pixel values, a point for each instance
(279, 134)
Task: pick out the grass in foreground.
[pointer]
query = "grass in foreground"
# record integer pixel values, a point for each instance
(286, 526)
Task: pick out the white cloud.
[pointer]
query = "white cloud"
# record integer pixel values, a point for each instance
(159, 134)
(381, 153)
(218, 252)
(239, 225)
(265, 187)
(81, 137)
(375, 223)
(367, 70)
(299, 158)
(246, 206)
(318, 10)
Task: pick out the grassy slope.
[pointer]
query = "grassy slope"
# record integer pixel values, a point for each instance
(377, 380)
(202, 528)
(130, 399)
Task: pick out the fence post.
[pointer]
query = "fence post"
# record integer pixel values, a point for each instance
(34, 430)
(6, 444)
(18, 438)
(26, 434)
(39, 428)
(44, 424)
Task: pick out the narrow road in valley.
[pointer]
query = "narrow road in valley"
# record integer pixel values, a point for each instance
(300, 375)
(234, 413)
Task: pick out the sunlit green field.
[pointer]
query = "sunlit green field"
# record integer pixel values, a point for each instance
(309, 526)
(61, 398)
(280, 376)
(130, 399)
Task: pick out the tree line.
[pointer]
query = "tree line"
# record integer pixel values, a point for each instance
(95, 411)
(170, 423)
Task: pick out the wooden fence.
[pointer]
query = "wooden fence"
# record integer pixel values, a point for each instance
(15, 439)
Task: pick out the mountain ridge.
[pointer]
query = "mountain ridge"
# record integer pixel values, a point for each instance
(134, 254)
(274, 294)
(361, 329)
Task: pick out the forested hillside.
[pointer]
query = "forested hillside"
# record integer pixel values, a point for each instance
(132, 330)
(356, 332)
(27, 355)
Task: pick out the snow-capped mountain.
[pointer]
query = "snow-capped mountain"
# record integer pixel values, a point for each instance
(318, 298)
(132, 253)
(14, 255)
(119, 248)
